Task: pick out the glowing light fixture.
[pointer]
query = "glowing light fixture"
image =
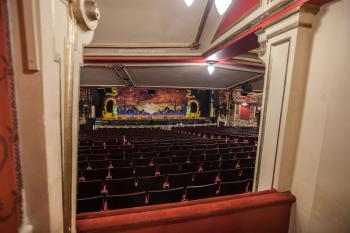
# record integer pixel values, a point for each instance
(222, 5)
(189, 2)
(211, 68)
(213, 57)
(244, 104)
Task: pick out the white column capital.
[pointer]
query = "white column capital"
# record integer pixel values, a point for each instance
(303, 17)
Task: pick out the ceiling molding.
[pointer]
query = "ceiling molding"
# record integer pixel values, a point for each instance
(180, 75)
(179, 87)
(220, 66)
(239, 68)
(192, 45)
(111, 85)
(137, 46)
(164, 55)
(259, 76)
(273, 14)
(204, 18)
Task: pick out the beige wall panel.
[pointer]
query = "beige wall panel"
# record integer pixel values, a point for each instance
(321, 177)
(276, 79)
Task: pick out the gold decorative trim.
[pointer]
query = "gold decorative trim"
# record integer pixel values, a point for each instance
(67, 155)
(309, 8)
(262, 49)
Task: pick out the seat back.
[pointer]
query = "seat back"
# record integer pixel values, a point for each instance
(120, 186)
(151, 182)
(229, 188)
(145, 171)
(166, 196)
(91, 204)
(95, 174)
(121, 172)
(87, 189)
(126, 200)
(201, 191)
(230, 175)
(180, 180)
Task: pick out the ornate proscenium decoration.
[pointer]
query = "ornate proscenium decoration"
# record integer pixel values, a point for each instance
(262, 49)
(86, 13)
(192, 105)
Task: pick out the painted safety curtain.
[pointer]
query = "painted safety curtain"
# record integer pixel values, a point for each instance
(9, 170)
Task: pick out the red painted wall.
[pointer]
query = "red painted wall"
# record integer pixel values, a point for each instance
(237, 11)
(9, 196)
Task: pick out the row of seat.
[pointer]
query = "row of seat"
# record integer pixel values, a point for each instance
(162, 169)
(243, 160)
(208, 155)
(168, 150)
(135, 167)
(136, 184)
(171, 143)
(110, 202)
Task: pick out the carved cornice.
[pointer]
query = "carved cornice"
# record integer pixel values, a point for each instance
(86, 14)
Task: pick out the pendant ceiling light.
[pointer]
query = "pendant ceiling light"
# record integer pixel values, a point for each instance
(189, 2)
(222, 5)
(211, 68)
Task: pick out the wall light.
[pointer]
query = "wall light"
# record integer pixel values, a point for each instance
(189, 2)
(222, 5)
(211, 68)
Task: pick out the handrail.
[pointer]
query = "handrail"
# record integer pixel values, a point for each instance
(176, 217)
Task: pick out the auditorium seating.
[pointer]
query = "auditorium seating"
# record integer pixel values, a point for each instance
(122, 168)
(234, 133)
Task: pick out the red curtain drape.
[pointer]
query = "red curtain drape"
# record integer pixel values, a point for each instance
(9, 169)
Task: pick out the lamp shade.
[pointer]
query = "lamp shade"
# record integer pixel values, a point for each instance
(222, 5)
